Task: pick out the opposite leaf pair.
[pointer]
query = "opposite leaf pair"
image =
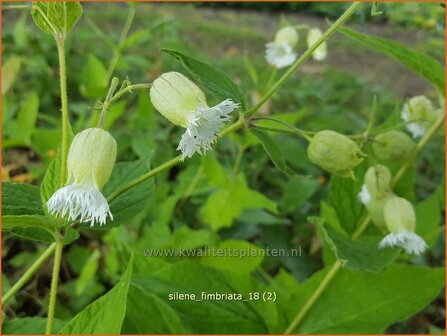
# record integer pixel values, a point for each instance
(92, 153)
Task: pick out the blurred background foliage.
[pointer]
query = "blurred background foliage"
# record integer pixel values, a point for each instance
(336, 94)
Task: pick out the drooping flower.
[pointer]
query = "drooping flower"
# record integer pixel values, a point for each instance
(312, 37)
(334, 152)
(90, 162)
(375, 192)
(400, 221)
(279, 53)
(182, 102)
(420, 114)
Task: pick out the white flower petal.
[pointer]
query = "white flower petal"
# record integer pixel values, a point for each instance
(409, 241)
(80, 201)
(280, 55)
(364, 195)
(204, 126)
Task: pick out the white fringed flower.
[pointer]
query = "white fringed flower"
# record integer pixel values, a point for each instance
(90, 162)
(407, 240)
(312, 37)
(184, 104)
(279, 53)
(420, 114)
(364, 195)
(400, 221)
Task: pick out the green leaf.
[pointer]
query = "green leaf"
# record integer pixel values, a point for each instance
(23, 127)
(105, 315)
(51, 180)
(428, 218)
(212, 80)
(224, 205)
(94, 81)
(10, 71)
(247, 257)
(30, 325)
(56, 18)
(133, 201)
(207, 316)
(419, 62)
(214, 172)
(20, 199)
(361, 254)
(273, 151)
(365, 303)
(38, 228)
(297, 190)
(162, 318)
(343, 198)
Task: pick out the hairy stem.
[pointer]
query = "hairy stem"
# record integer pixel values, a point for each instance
(168, 164)
(54, 284)
(64, 109)
(127, 89)
(28, 274)
(106, 104)
(308, 53)
(336, 266)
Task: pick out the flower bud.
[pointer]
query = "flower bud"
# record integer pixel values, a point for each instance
(400, 220)
(334, 152)
(313, 35)
(393, 146)
(287, 35)
(176, 97)
(377, 180)
(90, 163)
(92, 154)
(420, 114)
(184, 104)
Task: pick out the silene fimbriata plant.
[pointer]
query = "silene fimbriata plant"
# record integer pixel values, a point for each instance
(85, 189)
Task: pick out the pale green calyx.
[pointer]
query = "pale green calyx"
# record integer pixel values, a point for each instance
(334, 152)
(313, 35)
(375, 192)
(420, 115)
(90, 163)
(182, 102)
(400, 220)
(393, 146)
(279, 53)
(287, 35)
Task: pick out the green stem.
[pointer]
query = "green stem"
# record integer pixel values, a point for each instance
(28, 274)
(16, 7)
(106, 104)
(293, 129)
(168, 164)
(122, 40)
(64, 109)
(54, 284)
(129, 88)
(326, 280)
(308, 53)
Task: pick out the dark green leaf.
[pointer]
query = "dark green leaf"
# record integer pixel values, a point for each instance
(148, 314)
(20, 199)
(105, 315)
(419, 62)
(361, 254)
(365, 303)
(297, 190)
(30, 325)
(273, 151)
(133, 201)
(212, 80)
